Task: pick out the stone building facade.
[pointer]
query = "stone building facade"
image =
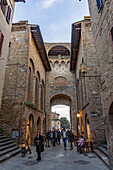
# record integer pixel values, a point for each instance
(102, 26)
(22, 106)
(85, 66)
(55, 120)
(6, 16)
(60, 82)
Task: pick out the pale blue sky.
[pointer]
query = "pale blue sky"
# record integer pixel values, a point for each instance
(55, 17)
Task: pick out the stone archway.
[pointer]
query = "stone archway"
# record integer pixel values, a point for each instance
(61, 99)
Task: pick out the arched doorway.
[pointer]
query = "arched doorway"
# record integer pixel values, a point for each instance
(87, 127)
(110, 133)
(39, 124)
(29, 134)
(58, 102)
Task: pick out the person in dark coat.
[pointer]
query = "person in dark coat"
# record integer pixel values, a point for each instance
(71, 139)
(39, 145)
(58, 136)
(53, 137)
(48, 138)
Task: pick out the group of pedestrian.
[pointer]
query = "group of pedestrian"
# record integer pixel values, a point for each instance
(54, 137)
(67, 136)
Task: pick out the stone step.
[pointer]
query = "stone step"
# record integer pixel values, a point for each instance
(105, 146)
(6, 151)
(6, 143)
(9, 155)
(104, 150)
(1, 134)
(3, 137)
(4, 140)
(103, 157)
(7, 146)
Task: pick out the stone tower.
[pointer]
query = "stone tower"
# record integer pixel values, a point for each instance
(60, 82)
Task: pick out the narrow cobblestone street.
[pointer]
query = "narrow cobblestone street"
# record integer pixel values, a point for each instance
(55, 159)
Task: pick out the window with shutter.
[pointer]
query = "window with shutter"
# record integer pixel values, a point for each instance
(99, 5)
(1, 42)
(3, 5)
(8, 15)
(111, 31)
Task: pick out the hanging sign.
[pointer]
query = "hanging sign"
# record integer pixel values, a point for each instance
(94, 114)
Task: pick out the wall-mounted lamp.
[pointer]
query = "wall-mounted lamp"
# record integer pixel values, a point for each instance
(78, 114)
(83, 68)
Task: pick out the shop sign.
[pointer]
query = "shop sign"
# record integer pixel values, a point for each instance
(94, 114)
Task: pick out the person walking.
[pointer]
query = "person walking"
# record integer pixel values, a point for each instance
(71, 139)
(39, 145)
(65, 139)
(58, 136)
(48, 139)
(53, 137)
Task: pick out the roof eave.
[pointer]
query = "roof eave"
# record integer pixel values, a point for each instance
(37, 37)
(75, 40)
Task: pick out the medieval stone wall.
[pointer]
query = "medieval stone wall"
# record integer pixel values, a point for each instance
(88, 85)
(20, 86)
(5, 29)
(101, 25)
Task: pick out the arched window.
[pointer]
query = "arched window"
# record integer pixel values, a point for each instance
(59, 51)
(29, 78)
(42, 96)
(37, 92)
(39, 124)
(60, 81)
(31, 71)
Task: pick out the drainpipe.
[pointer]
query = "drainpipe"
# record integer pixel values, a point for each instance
(76, 91)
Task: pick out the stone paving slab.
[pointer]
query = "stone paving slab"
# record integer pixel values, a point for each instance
(55, 158)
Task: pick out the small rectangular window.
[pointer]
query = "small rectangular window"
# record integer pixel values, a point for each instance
(99, 5)
(1, 42)
(111, 31)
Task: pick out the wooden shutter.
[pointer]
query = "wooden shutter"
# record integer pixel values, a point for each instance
(1, 4)
(99, 5)
(1, 42)
(8, 15)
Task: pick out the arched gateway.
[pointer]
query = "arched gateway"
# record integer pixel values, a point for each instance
(60, 83)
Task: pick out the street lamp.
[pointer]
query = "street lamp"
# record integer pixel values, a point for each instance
(78, 114)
